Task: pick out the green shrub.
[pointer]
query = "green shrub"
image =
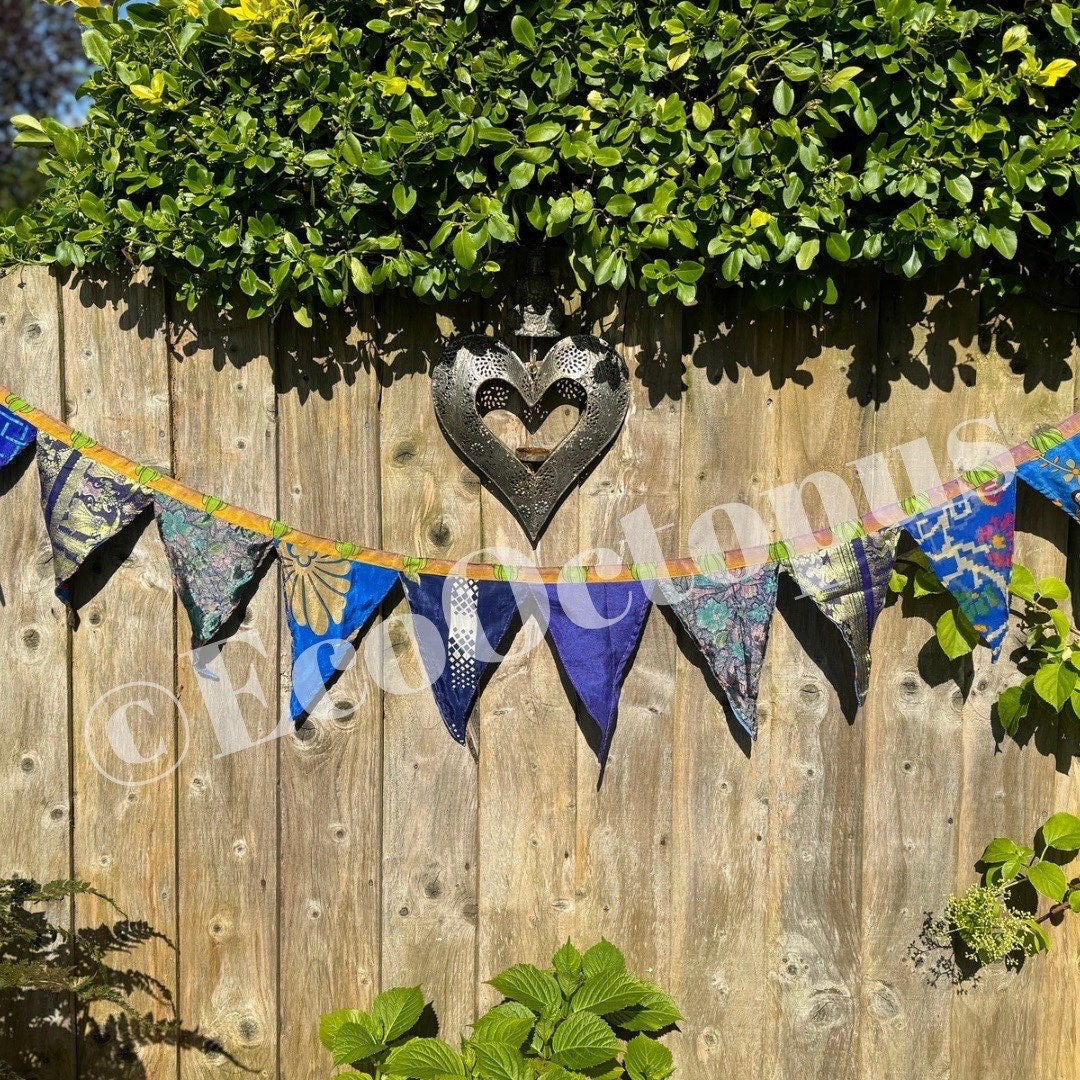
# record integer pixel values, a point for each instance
(309, 151)
(585, 1019)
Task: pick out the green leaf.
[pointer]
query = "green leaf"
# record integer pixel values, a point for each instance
(1054, 683)
(702, 116)
(464, 249)
(567, 961)
(96, 47)
(425, 1059)
(620, 205)
(1004, 240)
(836, 244)
(959, 187)
(500, 1062)
(318, 159)
(332, 1022)
(1022, 582)
(807, 253)
(1062, 832)
(1012, 707)
(608, 992)
(523, 32)
(1074, 900)
(783, 98)
(1038, 941)
(509, 1023)
(646, 1059)
(542, 133)
(1053, 588)
(865, 116)
(582, 1041)
(602, 957)
(1048, 879)
(656, 1012)
(530, 986)
(310, 119)
(955, 634)
(397, 1011)
(355, 1041)
(1014, 38)
(1000, 850)
(93, 207)
(404, 198)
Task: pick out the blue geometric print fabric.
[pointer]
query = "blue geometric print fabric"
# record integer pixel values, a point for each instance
(1056, 474)
(15, 435)
(969, 542)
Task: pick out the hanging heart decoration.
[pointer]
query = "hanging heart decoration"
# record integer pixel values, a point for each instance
(478, 374)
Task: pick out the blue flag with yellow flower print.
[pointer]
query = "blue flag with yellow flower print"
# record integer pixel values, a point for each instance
(328, 600)
(15, 435)
(969, 543)
(1056, 474)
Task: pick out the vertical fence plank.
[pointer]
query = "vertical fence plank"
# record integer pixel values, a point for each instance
(429, 506)
(224, 424)
(331, 769)
(624, 824)
(116, 388)
(35, 794)
(721, 781)
(817, 738)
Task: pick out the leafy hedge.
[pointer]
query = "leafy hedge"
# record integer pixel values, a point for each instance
(306, 151)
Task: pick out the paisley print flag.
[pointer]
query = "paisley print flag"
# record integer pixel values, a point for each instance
(84, 504)
(848, 582)
(327, 602)
(471, 619)
(594, 630)
(969, 542)
(15, 435)
(729, 614)
(212, 563)
(1056, 474)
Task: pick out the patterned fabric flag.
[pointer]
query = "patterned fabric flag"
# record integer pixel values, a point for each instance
(472, 619)
(327, 602)
(848, 582)
(15, 435)
(594, 630)
(211, 561)
(84, 504)
(729, 614)
(969, 542)
(1056, 474)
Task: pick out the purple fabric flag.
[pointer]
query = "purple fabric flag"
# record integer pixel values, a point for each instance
(212, 563)
(729, 614)
(471, 619)
(848, 581)
(969, 543)
(84, 504)
(594, 629)
(327, 602)
(15, 435)
(1056, 474)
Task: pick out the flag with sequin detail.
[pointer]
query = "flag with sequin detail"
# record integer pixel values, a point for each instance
(594, 629)
(15, 435)
(328, 601)
(1056, 474)
(969, 543)
(471, 618)
(212, 563)
(84, 504)
(728, 614)
(848, 582)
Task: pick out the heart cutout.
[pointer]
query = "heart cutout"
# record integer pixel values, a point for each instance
(478, 374)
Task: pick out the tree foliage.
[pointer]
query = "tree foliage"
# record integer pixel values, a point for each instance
(307, 151)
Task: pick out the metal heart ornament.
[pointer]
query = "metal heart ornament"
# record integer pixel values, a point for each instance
(477, 374)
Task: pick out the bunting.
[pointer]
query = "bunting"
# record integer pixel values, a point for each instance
(728, 614)
(848, 581)
(472, 619)
(15, 435)
(84, 504)
(969, 543)
(211, 561)
(594, 630)
(1056, 474)
(327, 603)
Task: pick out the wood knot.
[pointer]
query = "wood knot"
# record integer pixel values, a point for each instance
(403, 453)
(31, 638)
(440, 535)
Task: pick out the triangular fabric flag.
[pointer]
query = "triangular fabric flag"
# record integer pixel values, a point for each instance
(1056, 474)
(15, 435)
(594, 629)
(328, 600)
(848, 581)
(969, 543)
(729, 614)
(211, 561)
(471, 618)
(84, 504)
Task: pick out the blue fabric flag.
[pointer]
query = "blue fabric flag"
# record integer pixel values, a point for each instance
(594, 629)
(15, 435)
(327, 602)
(969, 543)
(1056, 474)
(472, 618)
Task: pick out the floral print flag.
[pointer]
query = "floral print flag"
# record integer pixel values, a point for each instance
(212, 563)
(328, 600)
(969, 543)
(470, 619)
(15, 435)
(1056, 474)
(84, 504)
(848, 582)
(729, 614)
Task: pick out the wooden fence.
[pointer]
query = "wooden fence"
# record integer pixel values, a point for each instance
(777, 890)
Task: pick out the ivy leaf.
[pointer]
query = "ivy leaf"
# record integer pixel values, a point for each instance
(1054, 683)
(646, 1059)
(583, 1041)
(397, 1011)
(530, 986)
(1049, 880)
(955, 634)
(1062, 832)
(425, 1059)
